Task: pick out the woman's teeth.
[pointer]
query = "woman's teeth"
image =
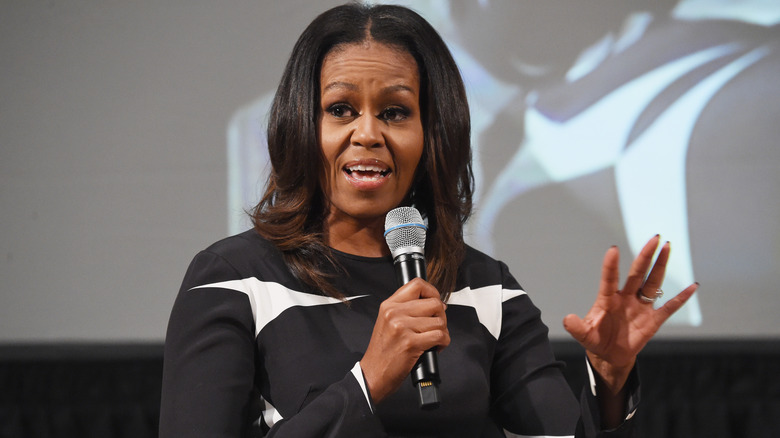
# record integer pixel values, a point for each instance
(362, 171)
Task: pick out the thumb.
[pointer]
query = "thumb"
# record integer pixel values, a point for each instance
(575, 326)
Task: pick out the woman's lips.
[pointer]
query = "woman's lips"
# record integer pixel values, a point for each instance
(366, 174)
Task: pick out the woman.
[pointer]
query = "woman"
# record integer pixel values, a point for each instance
(297, 328)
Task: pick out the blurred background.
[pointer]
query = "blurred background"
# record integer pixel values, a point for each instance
(132, 135)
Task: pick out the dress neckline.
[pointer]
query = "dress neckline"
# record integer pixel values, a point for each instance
(359, 258)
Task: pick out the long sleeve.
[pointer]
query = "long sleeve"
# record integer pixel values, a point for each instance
(530, 396)
(212, 384)
(208, 370)
(340, 411)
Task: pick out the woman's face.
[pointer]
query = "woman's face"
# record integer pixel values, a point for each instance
(370, 129)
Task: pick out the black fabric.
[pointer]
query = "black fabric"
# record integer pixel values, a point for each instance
(245, 334)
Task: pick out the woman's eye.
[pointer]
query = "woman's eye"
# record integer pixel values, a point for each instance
(394, 114)
(340, 110)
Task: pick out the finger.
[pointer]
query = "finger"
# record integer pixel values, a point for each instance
(576, 327)
(671, 306)
(438, 339)
(400, 317)
(640, 265)
(656, 277)
(429, 323)
(413, 290)
(610, 275)
(420, 334)
(427, 290)
(424, 307)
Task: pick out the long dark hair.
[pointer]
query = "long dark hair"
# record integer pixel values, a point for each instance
(292, 211)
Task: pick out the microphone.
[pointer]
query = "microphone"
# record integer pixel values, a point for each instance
(405, 235)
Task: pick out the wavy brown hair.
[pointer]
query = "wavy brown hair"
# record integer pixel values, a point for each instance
(292, 212)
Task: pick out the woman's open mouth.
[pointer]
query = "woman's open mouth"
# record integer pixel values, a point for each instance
(367, 172)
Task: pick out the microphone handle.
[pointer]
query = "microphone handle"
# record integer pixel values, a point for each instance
(408, 266)
(425, 373)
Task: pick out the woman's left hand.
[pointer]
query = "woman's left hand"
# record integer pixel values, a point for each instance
(620, 323)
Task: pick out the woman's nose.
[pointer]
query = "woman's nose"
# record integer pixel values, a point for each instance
(368, 132)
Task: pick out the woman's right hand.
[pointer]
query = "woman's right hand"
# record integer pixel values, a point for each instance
(410, 322)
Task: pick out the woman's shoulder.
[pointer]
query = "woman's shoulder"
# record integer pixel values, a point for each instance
(243, 245)
(241, 256)
(479, 270)
(476, 259)
(473, 255)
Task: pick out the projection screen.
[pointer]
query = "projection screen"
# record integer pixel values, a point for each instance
(133, 136)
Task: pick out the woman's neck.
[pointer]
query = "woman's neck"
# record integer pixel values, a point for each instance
(357, 236)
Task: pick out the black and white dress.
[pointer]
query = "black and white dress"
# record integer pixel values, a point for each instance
(251, 352)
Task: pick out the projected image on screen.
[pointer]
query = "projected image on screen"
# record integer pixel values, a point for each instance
(603, 123)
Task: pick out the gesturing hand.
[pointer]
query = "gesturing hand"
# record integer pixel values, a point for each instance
(620, 323)
(410, 322)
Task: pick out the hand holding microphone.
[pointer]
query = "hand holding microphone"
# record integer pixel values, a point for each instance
(411, 325)
(405, 235)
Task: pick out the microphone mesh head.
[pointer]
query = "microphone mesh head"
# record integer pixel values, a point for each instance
(404, 228)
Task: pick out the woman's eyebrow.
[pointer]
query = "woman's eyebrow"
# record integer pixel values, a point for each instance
(340, 84)
(352, 87)
(396, 88)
